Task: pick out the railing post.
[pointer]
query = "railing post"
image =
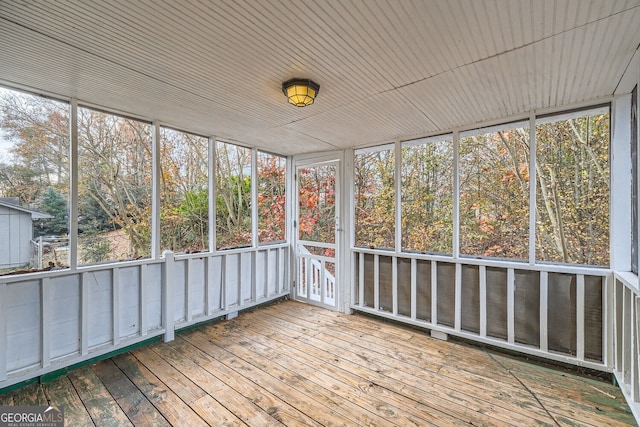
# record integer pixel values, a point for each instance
(544, 311)
(45, 322)
(580, 309)
(84, 313)
(361, 280)
(511, 296)
(626, 335)
(618, 293)
(609, 343)
(144, 328)
(168, 281)
(115, 310)
(40, 252)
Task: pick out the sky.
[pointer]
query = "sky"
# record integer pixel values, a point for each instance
(5, 142)
(5, 145)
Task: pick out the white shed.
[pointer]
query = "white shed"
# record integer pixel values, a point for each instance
(16, 232)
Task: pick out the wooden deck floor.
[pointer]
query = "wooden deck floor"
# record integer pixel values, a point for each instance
(294, 364)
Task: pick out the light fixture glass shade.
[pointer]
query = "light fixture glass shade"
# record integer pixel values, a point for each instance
(300, 92)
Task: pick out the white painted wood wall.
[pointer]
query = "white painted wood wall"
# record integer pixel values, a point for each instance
(16, 231)
(626, 331)
(52, 320)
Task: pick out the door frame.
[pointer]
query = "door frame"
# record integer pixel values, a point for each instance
(342, 253)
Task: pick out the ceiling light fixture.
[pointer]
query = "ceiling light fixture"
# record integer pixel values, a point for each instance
(300, 92)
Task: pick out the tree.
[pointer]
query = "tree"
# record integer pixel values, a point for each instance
(233, 196)
(572, 211)
(21, 182)
(38, 130)
(184, 200)
(375, 198)
(271, 197)
(56, 205)
(316, 203)
(427, 197)
(115, 174)
(494, 194)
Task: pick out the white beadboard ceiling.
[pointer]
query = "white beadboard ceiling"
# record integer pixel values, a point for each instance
(387, 70)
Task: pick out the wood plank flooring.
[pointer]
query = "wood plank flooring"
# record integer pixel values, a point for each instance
(294, 364)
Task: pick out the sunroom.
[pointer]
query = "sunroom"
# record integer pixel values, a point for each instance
(467, 170)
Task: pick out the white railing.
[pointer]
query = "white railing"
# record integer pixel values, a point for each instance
(52, 320)
(626, 306)
(315, 281)
(555, 312)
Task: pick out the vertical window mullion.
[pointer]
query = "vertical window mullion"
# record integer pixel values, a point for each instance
(155, 190)
(532, 188)
(291, 198)
(212, 193)
(254, 197)
(73, 185)
(635, 200)
(398, 191)
(456, 194)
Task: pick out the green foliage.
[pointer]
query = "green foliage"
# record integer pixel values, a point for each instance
(54, 204)
(236, 200)
(184, 209)
(184, 227)
(195, 206)
(233, 196)
(94, 249)
(94, 218)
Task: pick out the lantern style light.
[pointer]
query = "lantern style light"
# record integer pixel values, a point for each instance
(300, 92)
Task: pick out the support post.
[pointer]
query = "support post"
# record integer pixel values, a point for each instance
(73, 185)
(155, 191)
(45, 321)
(168, 281)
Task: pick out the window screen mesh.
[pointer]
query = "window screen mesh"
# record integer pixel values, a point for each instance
(386, 283)
(561, 309)
(446, 294)
(527, 307)
(561, 313)
(471, 298)
(423, 290)
(497, 302)
(593, 318)
(404, 287)
(368, 280)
